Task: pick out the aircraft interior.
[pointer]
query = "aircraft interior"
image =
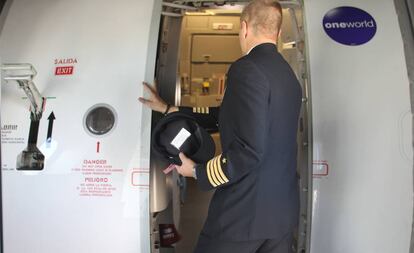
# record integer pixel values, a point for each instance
(196, 48)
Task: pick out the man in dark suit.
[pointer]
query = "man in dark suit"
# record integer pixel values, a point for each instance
(256, 204)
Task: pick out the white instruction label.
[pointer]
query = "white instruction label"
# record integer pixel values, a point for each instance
(181, 137)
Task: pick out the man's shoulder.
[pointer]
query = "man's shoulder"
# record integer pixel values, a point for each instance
(239, 62)
(243, 66)
(259, 60)
(245, 73)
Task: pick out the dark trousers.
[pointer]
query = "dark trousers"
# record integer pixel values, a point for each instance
(209, 245)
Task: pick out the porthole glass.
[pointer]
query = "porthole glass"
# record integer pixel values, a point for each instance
(100, 120)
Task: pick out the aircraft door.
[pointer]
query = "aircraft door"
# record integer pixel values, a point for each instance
(90, 190)
(363, 175)
(166, 190)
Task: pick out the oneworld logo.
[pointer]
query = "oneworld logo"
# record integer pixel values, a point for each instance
(356, 24)
(349, 25)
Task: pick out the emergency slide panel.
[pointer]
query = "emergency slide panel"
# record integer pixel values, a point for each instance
(75, 161)
(362, 149)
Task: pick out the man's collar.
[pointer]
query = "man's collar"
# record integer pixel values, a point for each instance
(248, 52)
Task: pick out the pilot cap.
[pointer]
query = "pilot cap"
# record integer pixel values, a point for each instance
(178, 132)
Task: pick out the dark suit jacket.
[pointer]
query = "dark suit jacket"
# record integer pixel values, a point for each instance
(255, 177)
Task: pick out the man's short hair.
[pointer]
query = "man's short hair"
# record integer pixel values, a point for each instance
(265, 16)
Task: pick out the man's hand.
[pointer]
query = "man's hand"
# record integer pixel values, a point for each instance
(186, 168)
(154, 102)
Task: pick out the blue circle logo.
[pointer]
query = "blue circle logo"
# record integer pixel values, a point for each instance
(349, 25)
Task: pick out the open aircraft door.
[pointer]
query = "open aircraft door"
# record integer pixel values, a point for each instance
(362, 127)
(75, 140)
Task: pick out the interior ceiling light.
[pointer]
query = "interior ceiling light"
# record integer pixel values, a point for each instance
(200, 13)
(217, 10)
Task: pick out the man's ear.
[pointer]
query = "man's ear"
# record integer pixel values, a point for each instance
(279, 34)
(244, 28)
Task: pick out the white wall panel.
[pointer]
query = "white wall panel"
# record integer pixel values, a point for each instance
(46, 211)
(362, 131)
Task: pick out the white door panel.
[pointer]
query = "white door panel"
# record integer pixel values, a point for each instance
(363, 204)
(92, 195)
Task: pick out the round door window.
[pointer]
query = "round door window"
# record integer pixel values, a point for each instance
(100, 120)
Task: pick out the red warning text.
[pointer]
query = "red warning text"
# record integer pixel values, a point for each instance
(96, 179)
(94, 161)
(66, 70)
